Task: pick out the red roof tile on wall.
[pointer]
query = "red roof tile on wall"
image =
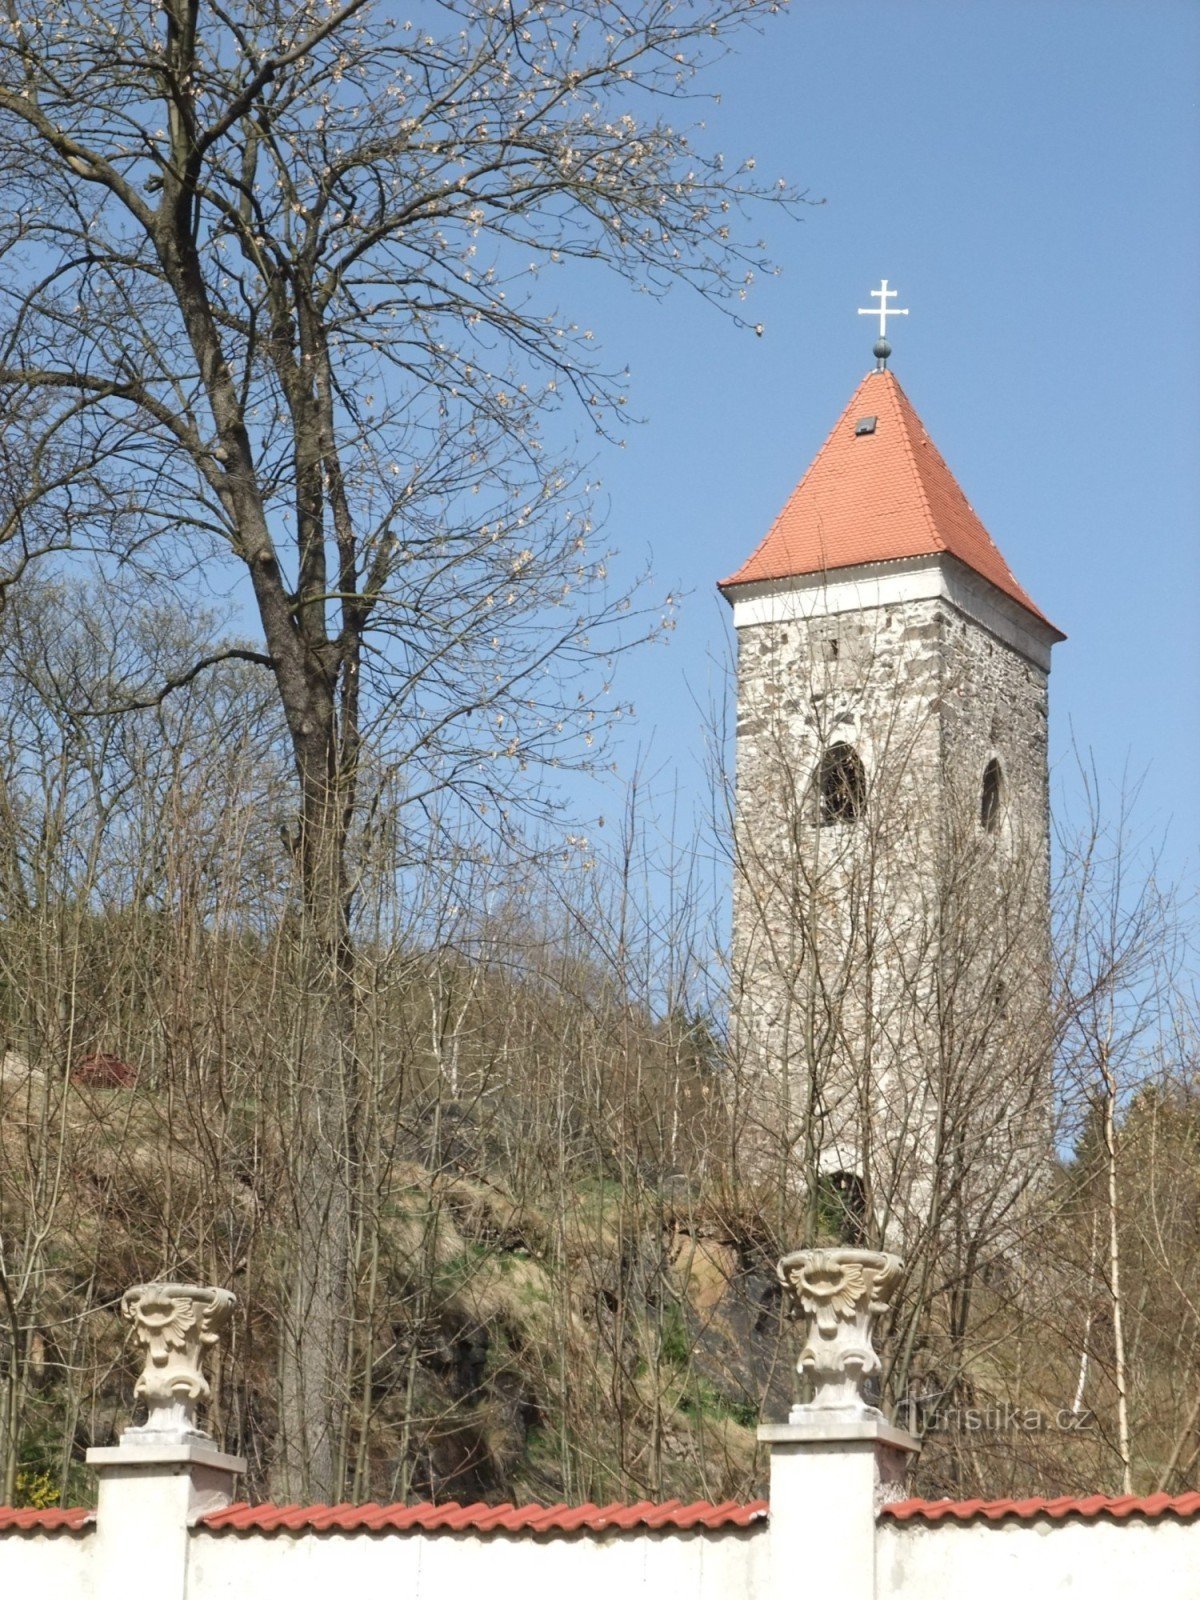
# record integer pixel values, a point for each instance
(75, 1519)
(672, 1515)
(879, 496)
(1089, 1507)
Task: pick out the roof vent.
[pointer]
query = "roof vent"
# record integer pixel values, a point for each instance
(864, 425)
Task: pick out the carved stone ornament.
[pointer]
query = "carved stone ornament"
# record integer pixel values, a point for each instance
(174, 1323)
(840, 1293)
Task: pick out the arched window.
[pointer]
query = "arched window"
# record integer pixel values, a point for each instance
(842, 1208)
(991, 795)
(841, 785)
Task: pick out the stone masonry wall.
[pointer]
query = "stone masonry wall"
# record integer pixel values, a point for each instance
(858, 948)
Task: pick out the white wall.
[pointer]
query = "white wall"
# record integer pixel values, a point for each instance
(46, 1566)
(445, 1566)
(1158, 1558)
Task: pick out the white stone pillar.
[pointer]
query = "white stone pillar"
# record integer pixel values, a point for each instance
(837, 1459)
(167, 1473)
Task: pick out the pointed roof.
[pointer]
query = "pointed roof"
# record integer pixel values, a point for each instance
(882, 495)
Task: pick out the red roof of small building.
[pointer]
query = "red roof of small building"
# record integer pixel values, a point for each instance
(479, 1518)
(882, 495)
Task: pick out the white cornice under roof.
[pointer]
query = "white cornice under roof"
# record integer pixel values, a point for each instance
(885, 583)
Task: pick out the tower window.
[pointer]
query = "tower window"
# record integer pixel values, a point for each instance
(990, 796)
(841, 785)
(842, 1208)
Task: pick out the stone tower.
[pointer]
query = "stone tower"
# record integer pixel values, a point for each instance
(891, 900)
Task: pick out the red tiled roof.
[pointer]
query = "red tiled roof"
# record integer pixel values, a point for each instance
(75, 1519)
(1090, 1507)
(559, 1519)
(879, 496)
(479, 1518)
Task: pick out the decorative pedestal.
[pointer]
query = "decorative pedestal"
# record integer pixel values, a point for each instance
(837, 1459)
(167, 1473)
(839, 1293)
(828, 1481)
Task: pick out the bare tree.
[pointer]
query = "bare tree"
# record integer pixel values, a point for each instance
(112, 830)
(272, 327)
(1120, 953)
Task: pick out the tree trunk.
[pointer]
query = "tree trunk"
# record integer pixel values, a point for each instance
(313, 1341)
(1114, 1273)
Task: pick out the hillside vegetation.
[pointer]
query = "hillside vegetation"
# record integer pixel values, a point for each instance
(562, 1273)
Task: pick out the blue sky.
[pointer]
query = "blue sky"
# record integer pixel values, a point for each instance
(1028, 176)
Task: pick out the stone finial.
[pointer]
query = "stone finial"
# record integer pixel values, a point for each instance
(174, 1323)
(840, 1293)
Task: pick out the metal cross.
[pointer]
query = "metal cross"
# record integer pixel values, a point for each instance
(883, 311)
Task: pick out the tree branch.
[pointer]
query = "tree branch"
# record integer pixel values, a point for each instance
(234, 653)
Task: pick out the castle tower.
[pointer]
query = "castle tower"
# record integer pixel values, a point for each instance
(891, 899)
